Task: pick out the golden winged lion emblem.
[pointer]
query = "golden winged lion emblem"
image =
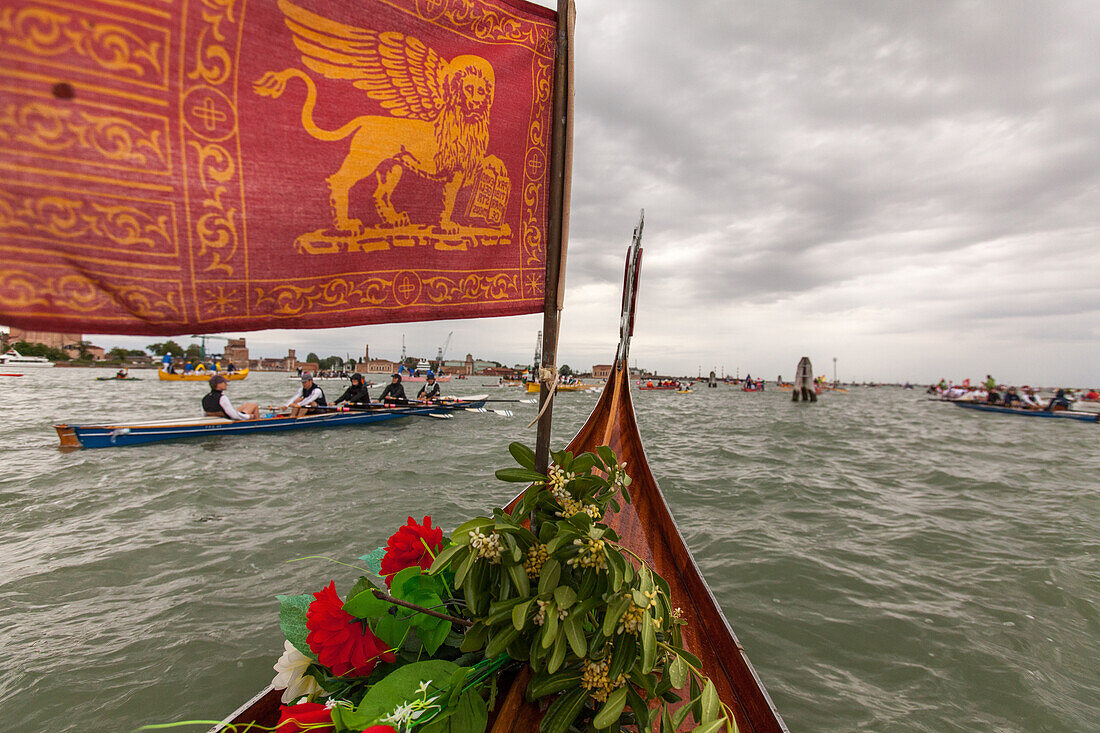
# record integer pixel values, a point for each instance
(437, 125)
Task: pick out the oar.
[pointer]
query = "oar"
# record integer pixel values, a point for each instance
(502, 413)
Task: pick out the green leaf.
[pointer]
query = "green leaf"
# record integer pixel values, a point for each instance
(373, 559)
(710, 702)
(391, 630)
(565, 596)
(550, 575)
(445, 556)
(641, 710)
(519, 579)
(400, 579)
(678, 672)
(500, 641)
(400, 686)
(615, 611)
(366, 605)
(524, 456)
(461, 535)
(583, 463)
(434, 638)
(649, 643)
(563, 711)
(575, 635)
(463, 568)
(557, 655)
(519, 614)
(292, 620)
(680, 716)
(519, 475)
(607, 455)
(712, 727)
(474, 638)
(543, 684)
(550, 625)
(471, 715)
(611, 709)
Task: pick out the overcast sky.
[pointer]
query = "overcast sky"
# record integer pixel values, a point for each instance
(910, 187)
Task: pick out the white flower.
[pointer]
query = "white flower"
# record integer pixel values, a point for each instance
(423, 688)
(292, 677)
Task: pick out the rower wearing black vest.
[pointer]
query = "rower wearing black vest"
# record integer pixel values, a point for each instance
(217, 404)
(394, 392)
(357, 393)
(309, 398)
(430, 390)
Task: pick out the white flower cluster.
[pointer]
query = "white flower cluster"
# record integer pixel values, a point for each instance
(487, 546)
(412, 710)
(619, 478)
(540, 617)
(556, 479)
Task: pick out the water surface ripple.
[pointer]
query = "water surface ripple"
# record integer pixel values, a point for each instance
(889, 564)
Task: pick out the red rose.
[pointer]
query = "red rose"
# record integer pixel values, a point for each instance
(305, 716)
(409, 547)
(342, 642)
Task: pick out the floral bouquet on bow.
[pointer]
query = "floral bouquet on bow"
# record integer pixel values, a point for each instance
(425, 637)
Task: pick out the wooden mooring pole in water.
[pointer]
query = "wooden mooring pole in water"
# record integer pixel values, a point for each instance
(804, 382)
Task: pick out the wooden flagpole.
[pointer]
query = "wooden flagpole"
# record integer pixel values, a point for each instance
(561, 158)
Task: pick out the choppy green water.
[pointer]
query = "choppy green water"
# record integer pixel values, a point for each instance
(889, 563)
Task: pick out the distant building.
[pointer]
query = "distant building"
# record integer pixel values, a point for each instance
(236, 351)
(308, 366)
(289, 363)
(503, 372)
(53, 340)
(96, 353)
(601, 371)
(381, 366)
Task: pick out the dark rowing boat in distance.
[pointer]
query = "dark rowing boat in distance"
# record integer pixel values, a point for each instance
(152, 431)
(1062, 414)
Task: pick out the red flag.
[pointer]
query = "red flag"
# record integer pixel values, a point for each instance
(209, 165)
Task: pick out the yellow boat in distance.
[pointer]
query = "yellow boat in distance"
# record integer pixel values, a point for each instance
(200, 376)
(533, 387)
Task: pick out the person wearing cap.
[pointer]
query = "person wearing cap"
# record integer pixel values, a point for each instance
(430, 390)
(394, 392)
(217, 404)
(308, 398)
(357, 393)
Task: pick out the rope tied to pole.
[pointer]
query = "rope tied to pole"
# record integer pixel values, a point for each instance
(548, 376)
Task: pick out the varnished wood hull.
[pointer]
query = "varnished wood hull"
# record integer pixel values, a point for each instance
(647, 528)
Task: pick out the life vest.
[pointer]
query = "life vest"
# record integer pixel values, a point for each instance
(211, 404)
(321, 402)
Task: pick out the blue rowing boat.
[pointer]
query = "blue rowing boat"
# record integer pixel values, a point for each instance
(1064, 414)
(110, 436)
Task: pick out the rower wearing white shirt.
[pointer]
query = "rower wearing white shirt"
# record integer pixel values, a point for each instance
(217, 404)
(309, 397)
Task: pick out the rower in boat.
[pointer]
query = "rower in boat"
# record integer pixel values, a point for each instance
(430, 391)
(1058, 402)
(355, 395)
(1029, 401)
(309, 398)
(1012, 398)
(394, 393)
(121, 374)
(217, 404)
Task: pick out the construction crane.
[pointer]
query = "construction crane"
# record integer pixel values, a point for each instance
(203, 339)
(442, 352)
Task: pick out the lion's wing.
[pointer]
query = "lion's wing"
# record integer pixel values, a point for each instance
(399, 71)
